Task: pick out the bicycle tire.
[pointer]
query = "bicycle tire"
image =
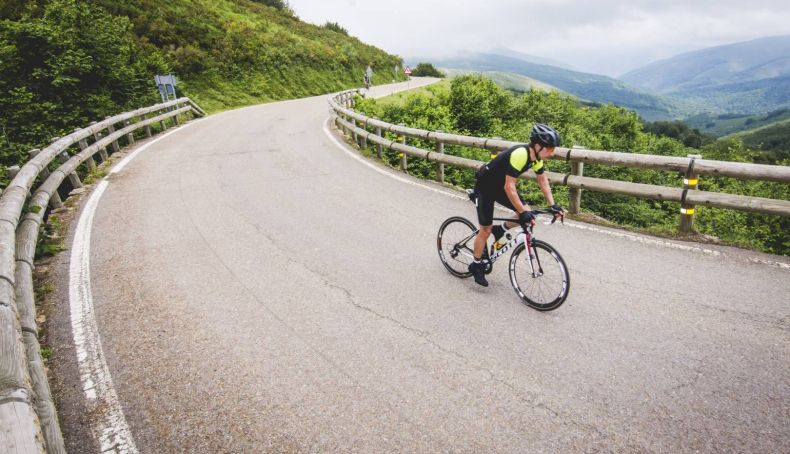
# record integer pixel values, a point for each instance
(547, 291)
(455, 259)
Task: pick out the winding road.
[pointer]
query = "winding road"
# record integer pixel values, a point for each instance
(257, 286)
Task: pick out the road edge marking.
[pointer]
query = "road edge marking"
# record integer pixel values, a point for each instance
(110, 428)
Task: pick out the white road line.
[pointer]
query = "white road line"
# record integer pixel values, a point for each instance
(109, 425)
(628, 236)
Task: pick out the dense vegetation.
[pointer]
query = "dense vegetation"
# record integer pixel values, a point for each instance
(680, 131)
(65, 63)
(475, 105)
(773, 142)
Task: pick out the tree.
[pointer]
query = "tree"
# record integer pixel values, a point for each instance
(426, 70)
(475, 102)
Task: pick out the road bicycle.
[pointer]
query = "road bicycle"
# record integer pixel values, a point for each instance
(537, 271)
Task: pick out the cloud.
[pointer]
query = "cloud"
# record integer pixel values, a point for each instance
(606, 36)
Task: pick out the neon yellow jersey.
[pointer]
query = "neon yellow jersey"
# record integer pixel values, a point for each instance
(514, 161)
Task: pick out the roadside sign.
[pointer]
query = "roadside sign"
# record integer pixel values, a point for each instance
(407, 71)
(166, 85)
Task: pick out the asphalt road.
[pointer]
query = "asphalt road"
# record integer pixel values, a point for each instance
(258, 289)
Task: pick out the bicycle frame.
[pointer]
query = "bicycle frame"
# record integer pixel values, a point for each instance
(522, 237)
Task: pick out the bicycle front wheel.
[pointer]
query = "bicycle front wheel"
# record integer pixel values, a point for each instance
(540, 278)
(455, 243)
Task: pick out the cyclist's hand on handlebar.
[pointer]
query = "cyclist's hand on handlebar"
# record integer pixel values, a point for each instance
(526, 218)
(558, 212)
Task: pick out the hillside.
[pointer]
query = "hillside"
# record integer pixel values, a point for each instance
(511, 81)
(65, 63)
(589, 87)
(719, 125)
(746, 77)
(771, 143)
(247, 50)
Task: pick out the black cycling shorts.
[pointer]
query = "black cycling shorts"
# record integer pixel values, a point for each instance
(486, 196)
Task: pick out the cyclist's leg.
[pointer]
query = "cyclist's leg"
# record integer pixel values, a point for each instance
(485, 215)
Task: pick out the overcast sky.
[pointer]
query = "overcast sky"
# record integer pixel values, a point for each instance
(607, 37)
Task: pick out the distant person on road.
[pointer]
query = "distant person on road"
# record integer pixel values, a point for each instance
(496, 182)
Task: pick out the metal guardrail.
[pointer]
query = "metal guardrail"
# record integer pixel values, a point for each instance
(692, 167)
(28, 420)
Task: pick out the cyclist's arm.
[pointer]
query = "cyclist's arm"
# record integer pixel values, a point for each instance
(512, 194)
(545, 188)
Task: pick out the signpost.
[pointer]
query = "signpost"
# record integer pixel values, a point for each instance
(167, 86)
(407, 71)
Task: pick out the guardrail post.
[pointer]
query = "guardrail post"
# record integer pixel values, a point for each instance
(54, 200)
(403, 162)
(111, 129)
(175, 117)
(690, 182)
(379, 147)
(354, 131)
(575, 194)
(162, 124)
(363, 138)
(147, 127)
(74, 179)
(103, 150)
(83, 145)
(130, 136)
(440, 165)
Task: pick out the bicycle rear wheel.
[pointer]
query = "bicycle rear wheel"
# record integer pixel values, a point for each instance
(541, 281)
(455, 243)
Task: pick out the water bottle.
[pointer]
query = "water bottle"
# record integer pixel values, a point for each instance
(503, 241)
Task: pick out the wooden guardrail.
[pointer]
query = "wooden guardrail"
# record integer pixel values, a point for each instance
(692, 167)
(28, 421)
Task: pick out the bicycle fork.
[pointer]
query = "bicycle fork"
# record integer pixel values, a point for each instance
(533, 259)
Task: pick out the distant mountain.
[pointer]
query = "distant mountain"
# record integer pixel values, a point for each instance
(589, 87)
(748, 61)
(746, 77)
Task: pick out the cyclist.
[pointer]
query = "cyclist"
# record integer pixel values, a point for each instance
(496, 182)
